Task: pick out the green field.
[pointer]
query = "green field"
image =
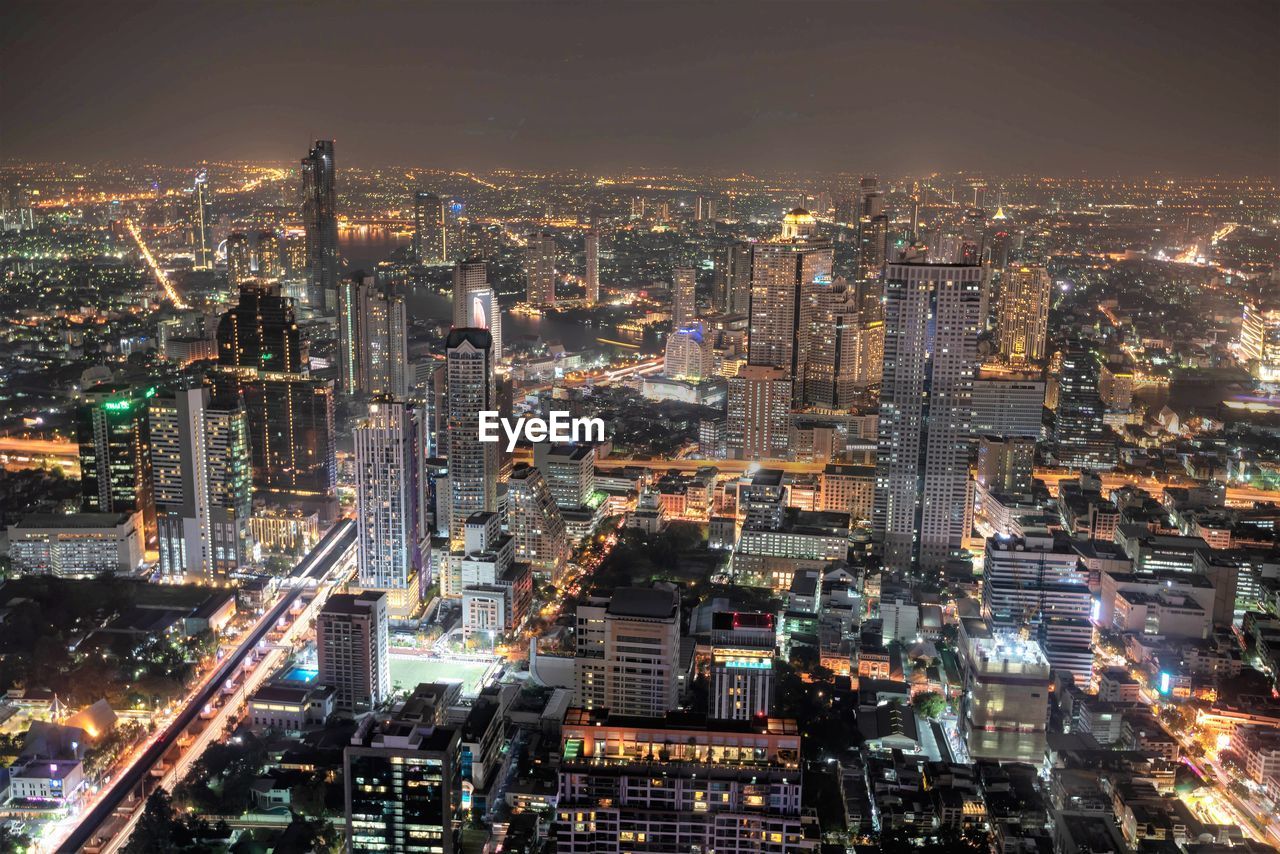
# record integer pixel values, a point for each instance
(409, 672)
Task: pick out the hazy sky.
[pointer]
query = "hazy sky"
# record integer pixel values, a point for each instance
(1037, 85)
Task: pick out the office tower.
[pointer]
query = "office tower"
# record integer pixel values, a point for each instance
(320, 219)
(759, 421)
(1004, 710)
(689, 354)
(1006, 463)
(403, 790)
(743, 646)
(351, 646)
(1007, 403)
(930, 357)
(570, 472)
(1259, 345)
(497, 592)
(715, 786)
(429, 241)
(388, 455)
(475, 304)
(734, 271)
(202, 226)
(873, 247)
(473, 465)
(1115, 386)
(1080, 438)
(267, 256)
(845, 349)
(239, 260)
(540, 269)
(373, 351)
(1037, 585)
(535, 521)
(591, 281)
(115, 452)
(290, 414)
(628, 650)
(684, 297)
(201, 471)
(785, 273)
(1024, 313)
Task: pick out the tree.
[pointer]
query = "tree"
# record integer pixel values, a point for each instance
(11, 841)
(929, 704)
(154, 834)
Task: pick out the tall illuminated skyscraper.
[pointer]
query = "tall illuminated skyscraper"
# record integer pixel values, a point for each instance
(759, 413)
(684, 297)
(239, 260)
(202, 228)
(320, 219)
(389, 456)
(1080, 438)
(785, 272)
(373, 352)
(845, 347)
(475, 304)
(592, 278)
(429, 236)
(540, 269)
(736, 266)
(1024, 313)
(115, 452)
(536, 523)
(473, 465)
(930, 358)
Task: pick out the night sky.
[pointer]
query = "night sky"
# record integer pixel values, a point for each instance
(1021, 85)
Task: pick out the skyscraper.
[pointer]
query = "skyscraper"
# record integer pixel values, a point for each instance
(320, 219)
(1024, 313)
(684, 297)
(473, 465)
(203, 483)
(591, 280)
(735, 269)
(1080, 438)
(540, 269)
(536, 523)
(930, 358)
(202, 226)
(239, 260)
(1004, 709)
(351, 647)
(845, 353)
(475, 304)
(785, 273)
(290, 414)
(388, 452)
(115, 452)
(743, 646)
(627, 648)
(429, 241)
(372, 338)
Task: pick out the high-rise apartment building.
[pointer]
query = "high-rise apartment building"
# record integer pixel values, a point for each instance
(373, 348)
(628, 650)
(1080, 436)
(203, 483)
(1007, 402)
(785, 274)
(429, 240)
(240, 266)
(389, 499)
(320, 220)
(475, 304)
(202, 225)
(689, 354)
(1259, 345)
(536, 523)
(351, 647)
(1024, 313)
(930, 358)
(743, 647)
(684, 297)
(759, 413)
(591, 279)
(473, 465)
(733, 279)
(540, 269)
(845, 347)
(115, 452)
(1006, 463)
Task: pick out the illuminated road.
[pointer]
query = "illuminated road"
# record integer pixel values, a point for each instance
(117, 810)
(161, 277)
